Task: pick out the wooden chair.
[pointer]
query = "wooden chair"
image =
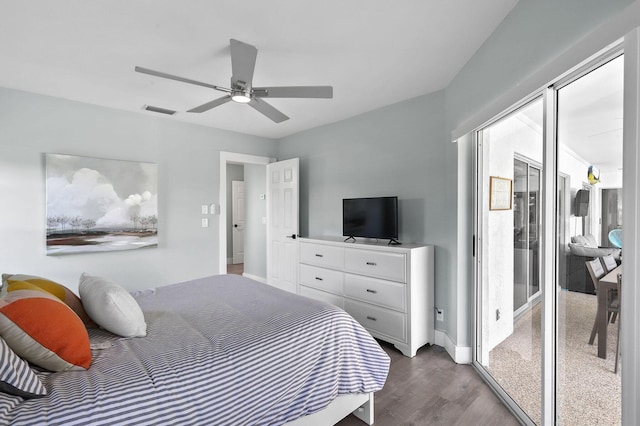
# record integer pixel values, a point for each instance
(596, 271)
(609, 263)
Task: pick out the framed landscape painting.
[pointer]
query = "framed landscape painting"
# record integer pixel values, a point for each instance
(95, 204)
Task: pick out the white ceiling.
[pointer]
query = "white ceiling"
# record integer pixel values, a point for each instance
(590, 112)
(373, 52)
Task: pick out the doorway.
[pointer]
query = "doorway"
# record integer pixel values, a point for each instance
(253, 173)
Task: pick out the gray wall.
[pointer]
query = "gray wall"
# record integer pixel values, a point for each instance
(406, 149)
(403, 149)
(398, 150)
(534, 44)
(533, 34)
(188, 168)
(255, 236)
(234, 172)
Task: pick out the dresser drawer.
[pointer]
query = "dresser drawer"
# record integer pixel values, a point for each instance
(388, 294)
(322, 279)
(378, 264)
(322, 296)
(376, 319)
(322, 255)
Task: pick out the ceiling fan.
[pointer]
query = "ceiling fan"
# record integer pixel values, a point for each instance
(243, 62)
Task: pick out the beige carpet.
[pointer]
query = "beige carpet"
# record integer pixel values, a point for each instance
(588, 390)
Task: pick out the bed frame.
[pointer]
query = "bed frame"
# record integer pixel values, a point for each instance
(360, 405)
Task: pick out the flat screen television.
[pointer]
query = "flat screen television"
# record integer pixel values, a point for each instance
(375, 217)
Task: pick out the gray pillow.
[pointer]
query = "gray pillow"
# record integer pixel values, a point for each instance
(16, 377)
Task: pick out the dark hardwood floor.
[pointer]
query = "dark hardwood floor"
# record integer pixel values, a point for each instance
(431, 389)
(236, 269)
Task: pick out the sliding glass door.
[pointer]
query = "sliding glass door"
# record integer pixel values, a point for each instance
(589, 140)
(509, 347)
(560, 156)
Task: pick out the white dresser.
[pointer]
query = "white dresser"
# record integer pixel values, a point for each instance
(387, 289)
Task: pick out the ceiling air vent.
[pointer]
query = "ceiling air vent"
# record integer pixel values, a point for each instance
(158, 109)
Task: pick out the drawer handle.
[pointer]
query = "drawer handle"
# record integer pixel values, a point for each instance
(371, 318)
(319, 255)
(371, 291)
(371, 263)
(318, 278)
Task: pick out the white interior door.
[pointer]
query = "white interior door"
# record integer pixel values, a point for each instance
(282, 224)
(237, 211)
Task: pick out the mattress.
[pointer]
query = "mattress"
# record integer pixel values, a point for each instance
(221, 350)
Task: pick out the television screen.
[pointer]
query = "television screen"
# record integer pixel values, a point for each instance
(370, 217)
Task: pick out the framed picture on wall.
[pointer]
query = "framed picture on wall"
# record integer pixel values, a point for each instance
(500, 193)
(96, 204)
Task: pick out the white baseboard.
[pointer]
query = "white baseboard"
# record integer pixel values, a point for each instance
(255, 278)
(459, 354)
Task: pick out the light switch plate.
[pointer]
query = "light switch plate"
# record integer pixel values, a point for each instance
(205, 222)
(212, 209)
(205, 209)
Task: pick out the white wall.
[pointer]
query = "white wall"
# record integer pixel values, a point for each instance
(255, 241)
(188, 169)
(514, 135)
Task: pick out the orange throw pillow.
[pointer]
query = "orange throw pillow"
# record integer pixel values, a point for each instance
(44, 331)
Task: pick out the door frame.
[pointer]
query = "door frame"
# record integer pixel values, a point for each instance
(225, 159)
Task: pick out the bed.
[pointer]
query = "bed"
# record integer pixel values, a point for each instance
(221, 350)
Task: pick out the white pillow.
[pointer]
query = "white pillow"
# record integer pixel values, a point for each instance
(111, 306)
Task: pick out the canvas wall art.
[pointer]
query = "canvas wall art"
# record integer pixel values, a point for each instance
(96, 205)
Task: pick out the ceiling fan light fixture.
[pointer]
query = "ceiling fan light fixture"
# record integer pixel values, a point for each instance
(241, 96)
(243, 62)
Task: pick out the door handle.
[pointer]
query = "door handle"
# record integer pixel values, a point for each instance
(292, 236)
(235, 225)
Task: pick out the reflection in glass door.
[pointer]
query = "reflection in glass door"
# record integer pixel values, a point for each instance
(509, 347)
(526, 238)
(589, 108)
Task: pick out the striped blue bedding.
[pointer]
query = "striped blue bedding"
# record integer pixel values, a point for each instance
(222, 350)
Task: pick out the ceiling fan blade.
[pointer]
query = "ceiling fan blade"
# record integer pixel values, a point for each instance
(212, 104)
(268, 110)
(294, 92)
(243, 62)
(182, 79)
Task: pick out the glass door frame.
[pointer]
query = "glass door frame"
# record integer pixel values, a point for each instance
(548, 251)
